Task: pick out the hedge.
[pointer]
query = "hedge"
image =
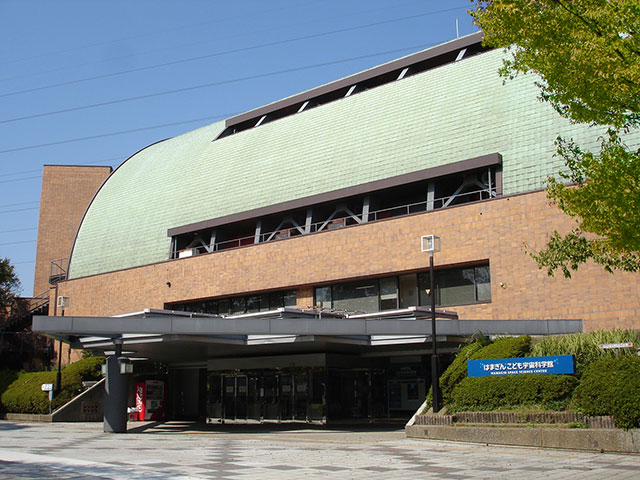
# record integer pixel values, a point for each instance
(7, 377)
(457, 370)
(24, 394)
(601, 386)
(585, 346)
(504, 347)
(491, 393)
(611, 386)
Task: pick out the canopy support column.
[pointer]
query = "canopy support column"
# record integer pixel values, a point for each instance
(115, 392)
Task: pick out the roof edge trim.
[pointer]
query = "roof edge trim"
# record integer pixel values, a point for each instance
(430, 53)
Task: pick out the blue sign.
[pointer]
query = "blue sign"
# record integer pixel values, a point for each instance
(557, 364)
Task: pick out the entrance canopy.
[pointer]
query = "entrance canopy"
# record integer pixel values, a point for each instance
(183, 336)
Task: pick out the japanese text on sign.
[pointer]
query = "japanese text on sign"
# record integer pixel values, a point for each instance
(559, 364)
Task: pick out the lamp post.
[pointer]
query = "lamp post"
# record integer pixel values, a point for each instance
(62, 303)
(431, 245)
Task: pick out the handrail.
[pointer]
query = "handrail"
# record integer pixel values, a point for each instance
(340, 222)
(41, 300)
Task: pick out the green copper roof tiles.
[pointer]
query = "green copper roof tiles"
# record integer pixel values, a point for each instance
(448, 114)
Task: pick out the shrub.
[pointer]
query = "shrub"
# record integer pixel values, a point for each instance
(457, 370)
(491, 393)
(7, 377)
(611, 386)
(24, 394)
(504, 347)
(584, 346)
(89, 368)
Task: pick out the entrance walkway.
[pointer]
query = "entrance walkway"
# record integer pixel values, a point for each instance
(186, 451)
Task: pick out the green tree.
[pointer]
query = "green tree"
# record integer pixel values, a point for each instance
(9, 284)
(587, 57)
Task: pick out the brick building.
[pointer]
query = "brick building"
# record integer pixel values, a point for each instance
(66, 192)
(257, 251)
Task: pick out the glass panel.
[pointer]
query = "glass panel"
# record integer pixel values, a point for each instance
(388, 293)
(318, 392)
(270, 390)
(457, 286)
(224, 306)
(286, 397)
(323, 297)
(290, 298)
(241, 396)
(214, 397)
(275, 300)
(237, 305)
(253, 303)
(229, 397)
(254, 406)
(301, 395)
(356, 297)
(483, 284)
(424, 288)
(408, 291)
(264, 302)
(211, 306)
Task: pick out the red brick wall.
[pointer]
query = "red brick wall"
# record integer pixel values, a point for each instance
(65, 195)
(496, 230)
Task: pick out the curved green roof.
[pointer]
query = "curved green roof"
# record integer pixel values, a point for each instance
(451, 113)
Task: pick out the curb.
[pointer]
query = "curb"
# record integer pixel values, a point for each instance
(594, 440)
(28, 417)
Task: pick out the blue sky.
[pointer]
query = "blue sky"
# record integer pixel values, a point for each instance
(92, 58)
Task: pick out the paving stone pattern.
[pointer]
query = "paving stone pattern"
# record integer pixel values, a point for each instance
(75, 451)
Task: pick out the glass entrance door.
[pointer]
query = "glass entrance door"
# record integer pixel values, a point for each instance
(254, 400)
(271, 408)
(214, 396)
(235, 397)
(286, 397)
(228, 397)
(241, 397)
(300, 397)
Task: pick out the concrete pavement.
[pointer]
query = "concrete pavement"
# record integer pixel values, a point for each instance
(184, 451)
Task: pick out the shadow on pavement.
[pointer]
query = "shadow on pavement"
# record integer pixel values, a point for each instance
(7, 425)
(261, 428)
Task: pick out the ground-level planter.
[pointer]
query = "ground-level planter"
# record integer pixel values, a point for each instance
(611, 440)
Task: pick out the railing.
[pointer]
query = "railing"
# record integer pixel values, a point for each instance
(39, 301)
(18, 344)
(23, 308)
(345, 221)
(58, 270)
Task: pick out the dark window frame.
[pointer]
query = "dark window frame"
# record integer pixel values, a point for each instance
(423, 299)
(264, 302)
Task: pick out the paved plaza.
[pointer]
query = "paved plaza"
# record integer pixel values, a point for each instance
(186, 451)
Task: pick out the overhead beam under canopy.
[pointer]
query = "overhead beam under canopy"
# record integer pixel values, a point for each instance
(291, 321)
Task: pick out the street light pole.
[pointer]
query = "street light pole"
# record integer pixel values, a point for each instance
(435, 387)
(431, 245)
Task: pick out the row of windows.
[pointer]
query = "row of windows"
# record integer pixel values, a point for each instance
(344, 91)
(456, 286)
(453, 286)
(245, 304)
(411, 198)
